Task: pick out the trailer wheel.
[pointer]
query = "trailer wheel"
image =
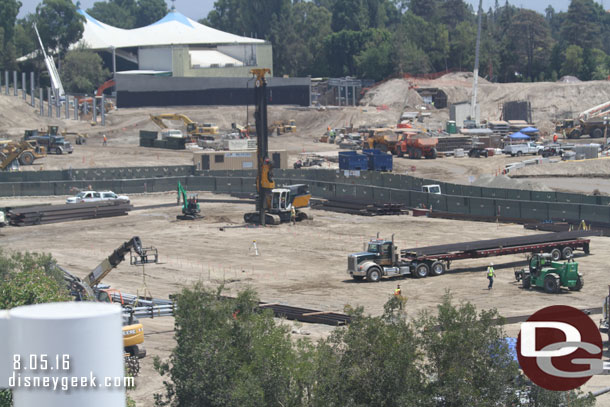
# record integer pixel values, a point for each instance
(551, 283)
(437, 268)
(422, 270)
(373, 275)
(580, 282)
(527, 282)
(555, 254)
(597, 133)
(567, 252)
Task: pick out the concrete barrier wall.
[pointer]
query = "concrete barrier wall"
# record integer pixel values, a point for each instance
(370, 187)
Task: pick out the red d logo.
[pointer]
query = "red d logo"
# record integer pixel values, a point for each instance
(560, 348)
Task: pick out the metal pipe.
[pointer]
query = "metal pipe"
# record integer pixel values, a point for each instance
(103, 110)
(49, 102)
(41, 96)
(15, 91)
(6, 82)
(32, 89)
(23, 84)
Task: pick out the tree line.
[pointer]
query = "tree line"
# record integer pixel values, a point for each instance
(372, 39)
(379, 38)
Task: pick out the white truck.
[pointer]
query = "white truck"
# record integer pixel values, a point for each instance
(521, 149)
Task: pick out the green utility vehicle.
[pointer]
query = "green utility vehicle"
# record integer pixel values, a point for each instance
(550, 275)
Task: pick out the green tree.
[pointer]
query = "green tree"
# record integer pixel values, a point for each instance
(227, 354)
(375, 60)
(25, 37)
(573, 61)
(462, 45)
(583, 24)
(83, 71)
(8, 14)
(313, 25)
(59, 24)
(150, 11)
(113, 14)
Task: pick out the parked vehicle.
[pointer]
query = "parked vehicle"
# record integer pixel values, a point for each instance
(550, 275)
(94, 196)
(417, 146)
(53, 143)
(431, 189)
(521, 149)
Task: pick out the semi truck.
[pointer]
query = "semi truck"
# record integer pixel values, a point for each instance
(381, 258)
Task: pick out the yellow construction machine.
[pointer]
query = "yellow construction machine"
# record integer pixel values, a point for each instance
(193, 129)
(273, 205)
(282, 126)
(25, 152)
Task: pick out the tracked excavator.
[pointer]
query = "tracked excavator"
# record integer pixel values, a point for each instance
(88, 289)
(273, 205)
(193, 129)
(190, 205)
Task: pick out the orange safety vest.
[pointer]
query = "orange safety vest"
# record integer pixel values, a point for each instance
(397, 291)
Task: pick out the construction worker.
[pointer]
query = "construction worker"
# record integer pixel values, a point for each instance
(293, 215)
(105, 140)
(490, 275)
(397, 291)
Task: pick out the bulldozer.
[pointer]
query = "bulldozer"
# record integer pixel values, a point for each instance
(550, 275)
(25, 152)
(273, 205)
(190, 205)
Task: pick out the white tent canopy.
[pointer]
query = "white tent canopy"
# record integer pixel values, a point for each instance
(174, 28)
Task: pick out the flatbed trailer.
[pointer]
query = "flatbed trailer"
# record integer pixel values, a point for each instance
(436, 260)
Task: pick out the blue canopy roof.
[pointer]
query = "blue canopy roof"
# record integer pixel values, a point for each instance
(529, 130)
(519, 136)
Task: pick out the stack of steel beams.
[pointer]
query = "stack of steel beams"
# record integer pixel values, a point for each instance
(359, 208)
(38, 215)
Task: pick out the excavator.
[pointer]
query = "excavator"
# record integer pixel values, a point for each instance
(273, 205)
(194, 130)
(87, 289)
(190, 205)
(109, 105)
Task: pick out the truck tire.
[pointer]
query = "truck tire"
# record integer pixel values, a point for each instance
(373, 275)
(431, 155)
(416, 154)
(575, 134)
(527, 282)
(580, 282)
(399, 152)
(597, 133)
(519, 153)
(567, 252)
(59, 150)
(555, 254)
(551, 283)
(26, 158)
(422, 270)
(437, 268)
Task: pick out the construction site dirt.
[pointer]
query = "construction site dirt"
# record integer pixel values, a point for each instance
(315, 278)
(302, 265)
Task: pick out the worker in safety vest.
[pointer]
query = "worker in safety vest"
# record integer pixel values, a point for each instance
(397, 291)
(293, 215)
(490, 275)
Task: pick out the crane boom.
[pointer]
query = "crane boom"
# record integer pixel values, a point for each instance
(113, 260)
(475, 79)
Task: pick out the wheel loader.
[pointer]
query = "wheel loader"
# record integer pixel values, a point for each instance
(550, 275)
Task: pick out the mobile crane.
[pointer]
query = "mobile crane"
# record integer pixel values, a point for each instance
(87, 289)
(273, 205)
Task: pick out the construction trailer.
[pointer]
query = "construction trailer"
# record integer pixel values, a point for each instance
(236, 160)
(382, 258)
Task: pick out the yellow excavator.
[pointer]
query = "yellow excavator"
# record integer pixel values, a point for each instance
(87, 289)
(193, 129)
(273, 205)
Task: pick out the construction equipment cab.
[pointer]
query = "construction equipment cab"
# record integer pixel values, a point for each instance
(550, 275)
(190, 204)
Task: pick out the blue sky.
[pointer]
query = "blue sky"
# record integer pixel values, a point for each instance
(197, 9)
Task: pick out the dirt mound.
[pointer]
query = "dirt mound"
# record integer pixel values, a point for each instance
(461, 77)
(599, 167)
(394, 93)
(502, 181)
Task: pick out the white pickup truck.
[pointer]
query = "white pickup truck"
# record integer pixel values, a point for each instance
(521, 149)
(94, 196)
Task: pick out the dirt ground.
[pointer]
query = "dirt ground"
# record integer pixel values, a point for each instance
(315, 278)
(302, 265)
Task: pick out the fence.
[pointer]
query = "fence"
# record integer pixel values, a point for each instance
(54, 107)
(328, 184)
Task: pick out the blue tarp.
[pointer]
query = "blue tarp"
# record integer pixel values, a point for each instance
(529, 130)
(519, 136)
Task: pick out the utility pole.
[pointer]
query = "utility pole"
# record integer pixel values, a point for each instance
(475, 79)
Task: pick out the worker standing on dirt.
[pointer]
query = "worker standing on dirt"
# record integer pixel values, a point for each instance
(490, 275)
(293, 215)
(105, 140)
(397, 291)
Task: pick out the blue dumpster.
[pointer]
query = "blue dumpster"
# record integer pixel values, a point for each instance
(351, 160)
(378, 160)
